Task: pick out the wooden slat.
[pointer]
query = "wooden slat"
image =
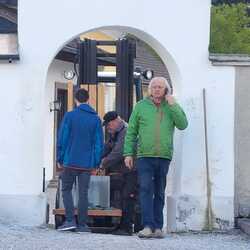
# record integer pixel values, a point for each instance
(93, 212)
(70, 95)
(92, 96)
(101, 100)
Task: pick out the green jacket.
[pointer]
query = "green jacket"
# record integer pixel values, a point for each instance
(152, 128)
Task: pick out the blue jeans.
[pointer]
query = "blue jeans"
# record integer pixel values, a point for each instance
(152, 173)
(68, 177)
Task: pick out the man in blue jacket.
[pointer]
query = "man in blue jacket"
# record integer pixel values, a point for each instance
(79, 150)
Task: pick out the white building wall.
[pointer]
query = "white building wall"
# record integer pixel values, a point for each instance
(179, 32)
(55, 75)
(191, 210)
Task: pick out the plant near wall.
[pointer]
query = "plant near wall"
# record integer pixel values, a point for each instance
(218, 2)
(230, 29)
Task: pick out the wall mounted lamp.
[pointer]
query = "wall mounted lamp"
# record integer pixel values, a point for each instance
(55, 106)
(68, 74)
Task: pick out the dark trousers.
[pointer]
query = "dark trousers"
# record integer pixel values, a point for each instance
(126, 185)
(68, 177)
(152, 173)
(129, 193)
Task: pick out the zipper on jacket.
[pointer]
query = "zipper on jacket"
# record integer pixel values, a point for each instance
(158, 130)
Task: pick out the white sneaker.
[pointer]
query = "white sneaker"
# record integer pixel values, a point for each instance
(145, 233)
(158, 233)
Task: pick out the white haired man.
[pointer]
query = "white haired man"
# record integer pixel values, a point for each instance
(152, 125)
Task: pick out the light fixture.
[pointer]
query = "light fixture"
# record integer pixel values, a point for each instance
(137, 72)
(148, 74)
(68, 74)
(55, 106)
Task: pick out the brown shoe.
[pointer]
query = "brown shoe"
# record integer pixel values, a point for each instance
(145, 233)
(158, 234)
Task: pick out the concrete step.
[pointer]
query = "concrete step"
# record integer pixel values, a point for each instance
(244, 225)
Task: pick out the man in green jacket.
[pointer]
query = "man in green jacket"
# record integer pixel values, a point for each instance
(151, 128)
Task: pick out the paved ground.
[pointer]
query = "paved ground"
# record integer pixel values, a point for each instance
(25, 238)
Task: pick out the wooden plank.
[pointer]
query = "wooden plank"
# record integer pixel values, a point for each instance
(101, 100)
(70, 95)
(93, 212)
(92, 96)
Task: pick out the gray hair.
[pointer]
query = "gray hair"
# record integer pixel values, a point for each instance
(159, 79)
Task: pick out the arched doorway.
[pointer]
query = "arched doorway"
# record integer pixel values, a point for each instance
(150, 54)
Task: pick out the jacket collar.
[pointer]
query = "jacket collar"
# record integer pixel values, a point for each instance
(87, 108)
(149, 100)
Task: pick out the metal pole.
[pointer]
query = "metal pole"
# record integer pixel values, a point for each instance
(43, 180)
(138, 87)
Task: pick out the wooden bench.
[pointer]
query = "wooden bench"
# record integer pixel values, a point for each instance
(114, 212)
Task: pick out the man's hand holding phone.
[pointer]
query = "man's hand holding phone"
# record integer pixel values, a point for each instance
(170, 99)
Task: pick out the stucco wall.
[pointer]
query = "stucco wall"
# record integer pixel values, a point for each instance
(181, 41)
(55, 74)
(242, 142)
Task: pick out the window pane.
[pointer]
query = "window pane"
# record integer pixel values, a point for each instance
(8, 44)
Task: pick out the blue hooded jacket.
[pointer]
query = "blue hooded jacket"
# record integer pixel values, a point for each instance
(80, 139)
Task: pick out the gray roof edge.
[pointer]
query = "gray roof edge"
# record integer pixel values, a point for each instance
(229, 59)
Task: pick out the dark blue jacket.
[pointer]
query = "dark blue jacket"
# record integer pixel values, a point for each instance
(80, 139)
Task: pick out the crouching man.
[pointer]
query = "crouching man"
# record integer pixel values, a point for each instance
(122, 178)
